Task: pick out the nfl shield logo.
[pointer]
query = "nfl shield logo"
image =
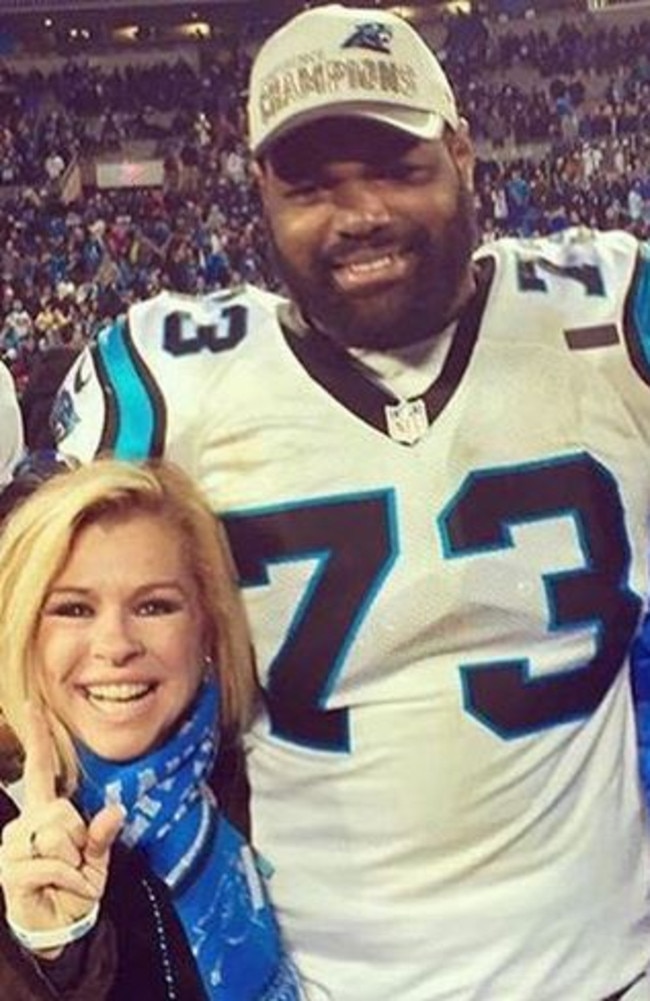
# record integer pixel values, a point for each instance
(407, 421)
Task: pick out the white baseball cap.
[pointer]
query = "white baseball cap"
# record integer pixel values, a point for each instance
(347, 61)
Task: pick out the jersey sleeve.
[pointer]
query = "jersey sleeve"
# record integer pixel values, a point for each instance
(147, 385)
(110, 400)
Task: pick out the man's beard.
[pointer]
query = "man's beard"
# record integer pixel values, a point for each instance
(410, 311)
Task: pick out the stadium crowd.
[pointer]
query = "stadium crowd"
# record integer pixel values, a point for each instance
(554, 150)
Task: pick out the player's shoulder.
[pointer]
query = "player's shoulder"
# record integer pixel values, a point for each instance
(183, 325)
(570, 248)
(576, 266)
(247, 296)
(257, 303)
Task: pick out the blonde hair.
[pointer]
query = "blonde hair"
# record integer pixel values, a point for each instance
(35, 544)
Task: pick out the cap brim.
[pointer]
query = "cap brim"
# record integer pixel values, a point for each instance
(425, 125)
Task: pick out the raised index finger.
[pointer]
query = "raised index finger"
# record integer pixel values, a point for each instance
(39, 775)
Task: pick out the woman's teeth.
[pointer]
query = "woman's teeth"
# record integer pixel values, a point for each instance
(123, 692)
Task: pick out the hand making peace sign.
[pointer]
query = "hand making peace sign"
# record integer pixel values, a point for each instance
(53, 863)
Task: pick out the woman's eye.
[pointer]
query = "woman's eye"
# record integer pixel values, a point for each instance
(69, 609)
(158, 606)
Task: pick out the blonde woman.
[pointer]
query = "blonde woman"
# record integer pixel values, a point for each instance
(124, 651)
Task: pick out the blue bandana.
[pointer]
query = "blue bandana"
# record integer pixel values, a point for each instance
(173, 818)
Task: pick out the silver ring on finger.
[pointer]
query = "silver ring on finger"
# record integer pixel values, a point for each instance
(33, 845)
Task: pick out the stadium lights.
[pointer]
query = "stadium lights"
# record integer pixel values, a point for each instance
(194, 30)
(127, 33)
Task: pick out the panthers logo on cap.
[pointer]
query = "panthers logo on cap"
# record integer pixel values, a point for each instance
(372, 35)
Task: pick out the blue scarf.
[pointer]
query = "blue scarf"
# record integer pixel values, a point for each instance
(173, 818)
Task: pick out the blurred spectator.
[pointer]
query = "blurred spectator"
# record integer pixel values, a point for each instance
(45, 377)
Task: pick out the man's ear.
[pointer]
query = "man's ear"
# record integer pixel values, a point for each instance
(259, 172)
(461, 148)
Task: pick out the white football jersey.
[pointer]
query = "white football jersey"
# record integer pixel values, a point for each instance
(11, 426)
(442, 592)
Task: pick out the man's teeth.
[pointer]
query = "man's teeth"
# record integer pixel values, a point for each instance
(367, 267)
(123, 692)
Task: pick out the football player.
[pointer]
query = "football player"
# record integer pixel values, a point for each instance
(433, 465)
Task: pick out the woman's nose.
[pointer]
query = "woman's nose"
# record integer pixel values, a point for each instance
(115, 640)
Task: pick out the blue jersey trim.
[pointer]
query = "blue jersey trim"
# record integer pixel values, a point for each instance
(642, 300)
(135, 430)
(640, 306)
